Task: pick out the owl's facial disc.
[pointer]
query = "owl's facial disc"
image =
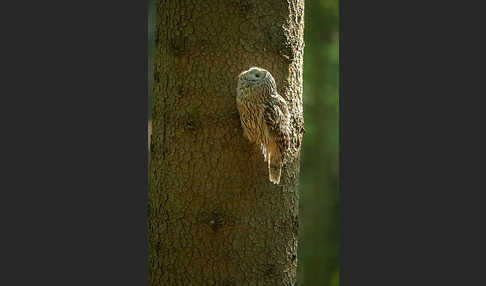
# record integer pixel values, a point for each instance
(255, 74)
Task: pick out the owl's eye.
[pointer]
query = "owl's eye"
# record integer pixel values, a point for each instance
(257, 75)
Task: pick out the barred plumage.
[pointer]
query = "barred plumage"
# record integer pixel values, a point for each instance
(264, 116)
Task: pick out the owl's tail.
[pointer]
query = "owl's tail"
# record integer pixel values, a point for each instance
(274, 168)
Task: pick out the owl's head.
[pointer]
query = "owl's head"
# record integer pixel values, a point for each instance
(256, 79)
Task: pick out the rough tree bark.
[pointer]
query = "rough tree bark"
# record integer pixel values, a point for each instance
(214, 217)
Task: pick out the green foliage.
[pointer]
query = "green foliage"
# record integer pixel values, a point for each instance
(319, 203)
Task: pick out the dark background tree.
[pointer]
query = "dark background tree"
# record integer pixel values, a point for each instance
(214, 217)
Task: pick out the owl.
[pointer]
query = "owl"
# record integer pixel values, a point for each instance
(264, 117)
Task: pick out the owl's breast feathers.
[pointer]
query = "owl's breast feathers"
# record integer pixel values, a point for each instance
(251, 119)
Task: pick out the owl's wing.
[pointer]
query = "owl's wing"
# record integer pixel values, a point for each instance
(276, 117)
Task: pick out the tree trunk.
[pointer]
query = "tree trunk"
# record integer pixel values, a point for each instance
(214, 216)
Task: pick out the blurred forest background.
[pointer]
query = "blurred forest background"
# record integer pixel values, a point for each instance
(319, 203)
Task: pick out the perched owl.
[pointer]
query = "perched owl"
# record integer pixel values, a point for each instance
(264, 117)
